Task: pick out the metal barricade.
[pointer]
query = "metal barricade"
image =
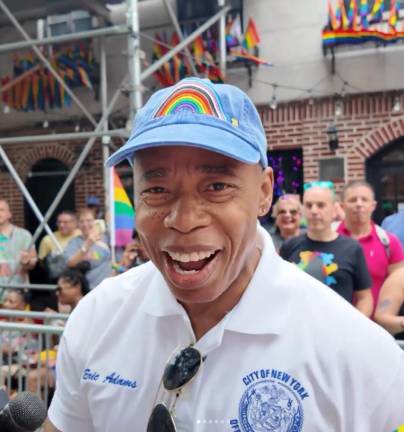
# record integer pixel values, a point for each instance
(28, 351)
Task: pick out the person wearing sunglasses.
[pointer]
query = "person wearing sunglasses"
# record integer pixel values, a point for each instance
(287, 212)
(333, 259)
(216, 332)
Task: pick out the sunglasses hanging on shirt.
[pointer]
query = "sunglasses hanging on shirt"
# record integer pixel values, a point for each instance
(180, 369)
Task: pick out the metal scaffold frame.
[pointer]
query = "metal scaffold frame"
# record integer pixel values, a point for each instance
(131, 83)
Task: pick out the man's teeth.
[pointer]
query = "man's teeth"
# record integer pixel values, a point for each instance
(194, 256)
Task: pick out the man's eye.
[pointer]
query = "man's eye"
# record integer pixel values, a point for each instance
(217, 187)
(155, 190)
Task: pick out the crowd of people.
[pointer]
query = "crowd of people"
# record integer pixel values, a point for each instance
(337, 242)
(334, 240)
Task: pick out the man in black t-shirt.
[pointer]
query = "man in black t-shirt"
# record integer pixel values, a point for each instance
(335, 260)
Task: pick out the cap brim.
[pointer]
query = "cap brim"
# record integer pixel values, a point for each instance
(194, 135)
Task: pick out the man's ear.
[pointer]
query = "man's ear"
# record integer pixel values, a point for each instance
(374, 205)
(266, 191)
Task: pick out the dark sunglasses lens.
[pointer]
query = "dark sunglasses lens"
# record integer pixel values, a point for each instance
(181, 368)
(160, 420)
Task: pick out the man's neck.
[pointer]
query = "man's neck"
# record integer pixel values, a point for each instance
(323, 236)
(6, 228)
(358, 229)
(204, 316)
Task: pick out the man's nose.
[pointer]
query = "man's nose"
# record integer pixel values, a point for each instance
(186, 215)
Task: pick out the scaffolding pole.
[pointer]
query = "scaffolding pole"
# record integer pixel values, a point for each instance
(105, 31)
(106, 139)
(69, 136)
(134, 57)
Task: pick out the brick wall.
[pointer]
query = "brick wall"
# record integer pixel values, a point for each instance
(366, 124)
(89, 180)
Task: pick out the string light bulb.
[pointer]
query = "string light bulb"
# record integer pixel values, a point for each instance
(397, 104)
(338, 107)
(274, 103)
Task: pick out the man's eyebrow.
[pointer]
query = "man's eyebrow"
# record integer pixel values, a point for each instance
(217, 169)
(154, 173)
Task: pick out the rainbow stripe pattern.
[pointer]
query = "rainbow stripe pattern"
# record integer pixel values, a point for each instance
(333, 38)
(196, 97)
(122, 213)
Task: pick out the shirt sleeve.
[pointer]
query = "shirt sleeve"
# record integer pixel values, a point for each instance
(396, 250)
(43, 248)
(69, 408)
(361, 275)
(72, 247)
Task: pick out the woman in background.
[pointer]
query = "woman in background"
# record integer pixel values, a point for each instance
(287, 212)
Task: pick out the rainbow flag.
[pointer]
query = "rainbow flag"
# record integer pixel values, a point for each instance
(122, 213)
(344, 15)
(393, 18)
(377, 11)
(332, 17)
(251, 36)
(364, 10)
(352, 13)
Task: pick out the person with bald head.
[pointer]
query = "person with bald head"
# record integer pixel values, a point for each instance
(382, 249)
(216, 332)
(335, 260)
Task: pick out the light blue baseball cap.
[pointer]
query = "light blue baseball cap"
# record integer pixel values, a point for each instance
(194, 112)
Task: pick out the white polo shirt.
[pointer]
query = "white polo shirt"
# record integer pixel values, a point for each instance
(291, 356)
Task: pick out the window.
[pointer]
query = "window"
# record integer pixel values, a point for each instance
(189, 10)
(288, 171)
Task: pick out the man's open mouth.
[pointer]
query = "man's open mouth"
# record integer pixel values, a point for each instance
(190, 263)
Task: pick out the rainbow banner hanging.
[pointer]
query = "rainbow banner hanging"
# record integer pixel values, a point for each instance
(332, 38)
(122, 213)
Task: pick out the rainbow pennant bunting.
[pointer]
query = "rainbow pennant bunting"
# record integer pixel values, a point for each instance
(122, 213)
(377, 11)
(364, 13)
(251, 36)
(393, 18)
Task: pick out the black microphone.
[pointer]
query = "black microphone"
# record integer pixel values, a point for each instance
(25, 413)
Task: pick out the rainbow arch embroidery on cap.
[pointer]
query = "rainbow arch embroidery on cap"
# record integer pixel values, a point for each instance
(192, 96)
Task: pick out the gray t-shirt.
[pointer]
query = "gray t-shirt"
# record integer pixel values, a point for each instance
(99, 257)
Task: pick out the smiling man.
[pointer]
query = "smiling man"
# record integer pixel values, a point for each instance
(216, 333)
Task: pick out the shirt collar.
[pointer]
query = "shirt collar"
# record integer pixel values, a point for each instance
(344, 230)
(264, 308)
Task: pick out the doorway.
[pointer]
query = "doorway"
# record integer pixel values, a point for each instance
(43, 183)
(385, 172)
